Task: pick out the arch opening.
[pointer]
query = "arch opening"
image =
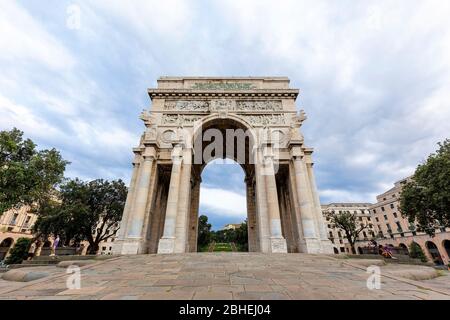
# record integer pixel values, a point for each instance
(434, 253)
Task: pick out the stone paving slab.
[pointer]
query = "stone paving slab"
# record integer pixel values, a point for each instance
(225, 276)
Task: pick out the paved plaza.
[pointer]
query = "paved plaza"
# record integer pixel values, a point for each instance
(201, 276)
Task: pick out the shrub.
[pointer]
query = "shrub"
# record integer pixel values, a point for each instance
(19, 252)
(416, 252)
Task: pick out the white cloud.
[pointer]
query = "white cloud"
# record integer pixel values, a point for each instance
(24, 39)
(224, 203)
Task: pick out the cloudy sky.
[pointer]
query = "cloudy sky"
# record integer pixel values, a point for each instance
(374, 79)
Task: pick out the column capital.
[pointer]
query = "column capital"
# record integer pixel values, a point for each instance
(297, 153)
(149, 153)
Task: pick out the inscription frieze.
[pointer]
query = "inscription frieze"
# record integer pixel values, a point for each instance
(179, 119)
(187, 105)
(223, 86)
(258, 106)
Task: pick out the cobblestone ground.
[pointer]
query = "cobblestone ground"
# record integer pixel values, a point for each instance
(224, 276)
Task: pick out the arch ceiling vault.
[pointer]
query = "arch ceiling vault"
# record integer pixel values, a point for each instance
(194, 120)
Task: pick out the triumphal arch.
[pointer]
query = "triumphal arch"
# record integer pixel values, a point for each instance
(251, 120)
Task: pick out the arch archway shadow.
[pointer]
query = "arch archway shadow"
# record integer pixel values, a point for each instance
(5, 246)
(434, 252)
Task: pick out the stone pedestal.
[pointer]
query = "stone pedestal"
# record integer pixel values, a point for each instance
(327, 246)
(166, 245)
(127, 246)
(278, 245)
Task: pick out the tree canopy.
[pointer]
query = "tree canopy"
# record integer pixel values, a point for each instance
(347, 222)
(425, 200)
(84, 211)
(27, 175)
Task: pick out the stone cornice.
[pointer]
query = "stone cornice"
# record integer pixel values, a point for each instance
(256, 93)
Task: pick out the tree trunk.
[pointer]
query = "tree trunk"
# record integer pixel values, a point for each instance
(353, 248)
(93, 248)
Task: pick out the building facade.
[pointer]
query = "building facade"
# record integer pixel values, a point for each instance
(232, 226)
(337, 236)
(18, 223)
(393, 229)
(161, 213)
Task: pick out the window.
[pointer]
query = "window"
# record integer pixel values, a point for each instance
(384, 199)
(364, 234)
(339, 234)
(342, 249)
(395, 214)
(376, 219)
(385, 217)
(28, 219)
(14, 218)
(399, 227)
(393, 196)
(103, 248)
(388, 227)
(360, 218)
(368, 219)
(374, 211)
(382, 209)
(392, 206)
(331, 234)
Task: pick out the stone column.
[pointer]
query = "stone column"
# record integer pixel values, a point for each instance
(327, 247)
(277, 241)
(184, 199)
(193, 223)
(306, 203)
(142, 195)
(261, 204)
(251, 215)
(167, 242)
(129, 202)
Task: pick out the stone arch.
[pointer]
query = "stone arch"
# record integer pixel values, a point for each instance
(446, 246)
(221, 125)
(161, 209)
(5, 246)
(434, 252)
(404, 247)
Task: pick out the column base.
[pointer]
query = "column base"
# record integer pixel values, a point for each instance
(311, 245)
(128, 246)
(327, 246)
(278, 245)
(166, 245)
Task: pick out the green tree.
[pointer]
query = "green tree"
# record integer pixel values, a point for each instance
(204, 231)
(85, 211)
(27, 176)
(347, 222)
(425, 200)
(19, 252)
(416, 252)
(241, 236)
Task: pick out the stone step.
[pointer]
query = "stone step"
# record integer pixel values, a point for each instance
(40, 262)
(65, 258)
(18, 266)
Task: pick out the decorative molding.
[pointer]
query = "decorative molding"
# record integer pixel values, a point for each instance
(186, 105)
(265, 120)
(223, 86)
(259, 105)
(179, 119)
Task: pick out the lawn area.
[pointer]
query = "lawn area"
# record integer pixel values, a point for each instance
(223, 247)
